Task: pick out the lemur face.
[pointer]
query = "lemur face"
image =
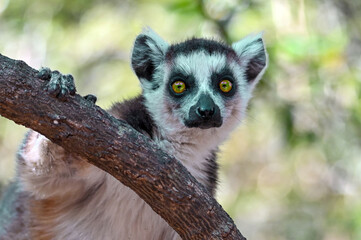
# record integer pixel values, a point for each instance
(198, 83)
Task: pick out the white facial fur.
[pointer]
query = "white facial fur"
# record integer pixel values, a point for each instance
(201, 66)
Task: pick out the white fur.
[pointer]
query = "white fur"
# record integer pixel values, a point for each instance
(159, 42)
(247, 48)
(34, 155)
(113, 212)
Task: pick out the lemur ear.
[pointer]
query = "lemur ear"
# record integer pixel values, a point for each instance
(148, 52)
(253, 56)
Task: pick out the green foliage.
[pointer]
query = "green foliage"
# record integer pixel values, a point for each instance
(292, 170)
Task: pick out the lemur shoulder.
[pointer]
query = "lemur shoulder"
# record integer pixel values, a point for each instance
(194, 93)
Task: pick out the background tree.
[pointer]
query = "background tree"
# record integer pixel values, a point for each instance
(291, 170)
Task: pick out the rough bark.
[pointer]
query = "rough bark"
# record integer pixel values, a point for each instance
(87, 130)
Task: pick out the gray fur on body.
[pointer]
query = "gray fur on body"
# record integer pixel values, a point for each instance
(61, 196)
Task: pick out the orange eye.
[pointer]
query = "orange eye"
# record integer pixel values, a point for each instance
(178, 86)
(225, 85)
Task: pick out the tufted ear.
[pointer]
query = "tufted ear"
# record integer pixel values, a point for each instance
(148, 52)
(253, 56)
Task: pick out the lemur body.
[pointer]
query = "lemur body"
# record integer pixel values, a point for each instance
(194, 94)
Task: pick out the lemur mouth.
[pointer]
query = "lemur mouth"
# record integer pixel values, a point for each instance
(212, 123)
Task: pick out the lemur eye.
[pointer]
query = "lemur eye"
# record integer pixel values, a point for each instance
(225, 85)
(179, 86)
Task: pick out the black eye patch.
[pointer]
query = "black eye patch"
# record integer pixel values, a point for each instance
(189, 81)
(218, 77)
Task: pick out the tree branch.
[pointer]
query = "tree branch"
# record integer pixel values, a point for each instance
(87, 130)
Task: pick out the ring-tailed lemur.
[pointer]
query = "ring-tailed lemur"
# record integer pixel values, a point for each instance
(194, 94)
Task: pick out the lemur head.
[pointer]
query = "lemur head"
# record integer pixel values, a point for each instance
(198, 83)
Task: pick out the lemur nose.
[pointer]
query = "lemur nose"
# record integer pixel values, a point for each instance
(205, 113)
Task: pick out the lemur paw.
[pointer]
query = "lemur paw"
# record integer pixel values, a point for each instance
(91, 98)
(59, 85)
